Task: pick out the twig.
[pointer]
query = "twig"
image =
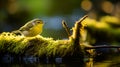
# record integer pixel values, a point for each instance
(102, 46)
(82, 18)
(66, 27)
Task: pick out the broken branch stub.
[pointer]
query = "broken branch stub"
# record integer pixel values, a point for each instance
(77, 29)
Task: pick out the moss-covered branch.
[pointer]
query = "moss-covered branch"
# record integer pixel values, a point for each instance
(43, 47)
(35, 46)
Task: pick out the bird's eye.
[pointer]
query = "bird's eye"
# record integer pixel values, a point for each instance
(37, 21)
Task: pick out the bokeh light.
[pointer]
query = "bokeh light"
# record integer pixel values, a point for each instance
(86, 5)
(12, 6)
(107, 6)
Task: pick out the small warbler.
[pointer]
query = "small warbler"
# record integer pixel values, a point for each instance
(31, 28)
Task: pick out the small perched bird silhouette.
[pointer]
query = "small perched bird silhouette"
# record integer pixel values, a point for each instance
(31, 28)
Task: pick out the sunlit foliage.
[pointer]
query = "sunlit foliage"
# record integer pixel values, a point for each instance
(107, 29)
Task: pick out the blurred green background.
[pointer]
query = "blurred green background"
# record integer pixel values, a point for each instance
(103, 24)
(15, 13)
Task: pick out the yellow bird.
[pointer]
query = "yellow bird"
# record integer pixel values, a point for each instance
(31, 28)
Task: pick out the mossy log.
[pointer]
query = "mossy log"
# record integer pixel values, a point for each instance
(106, 29)
(42, 47)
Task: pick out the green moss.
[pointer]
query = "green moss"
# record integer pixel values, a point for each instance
(36, 46)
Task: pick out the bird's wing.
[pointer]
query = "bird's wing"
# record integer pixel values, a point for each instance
(27, 26)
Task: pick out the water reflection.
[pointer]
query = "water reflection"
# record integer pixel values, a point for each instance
(41, 65)
(111, 61)
(30, 61)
